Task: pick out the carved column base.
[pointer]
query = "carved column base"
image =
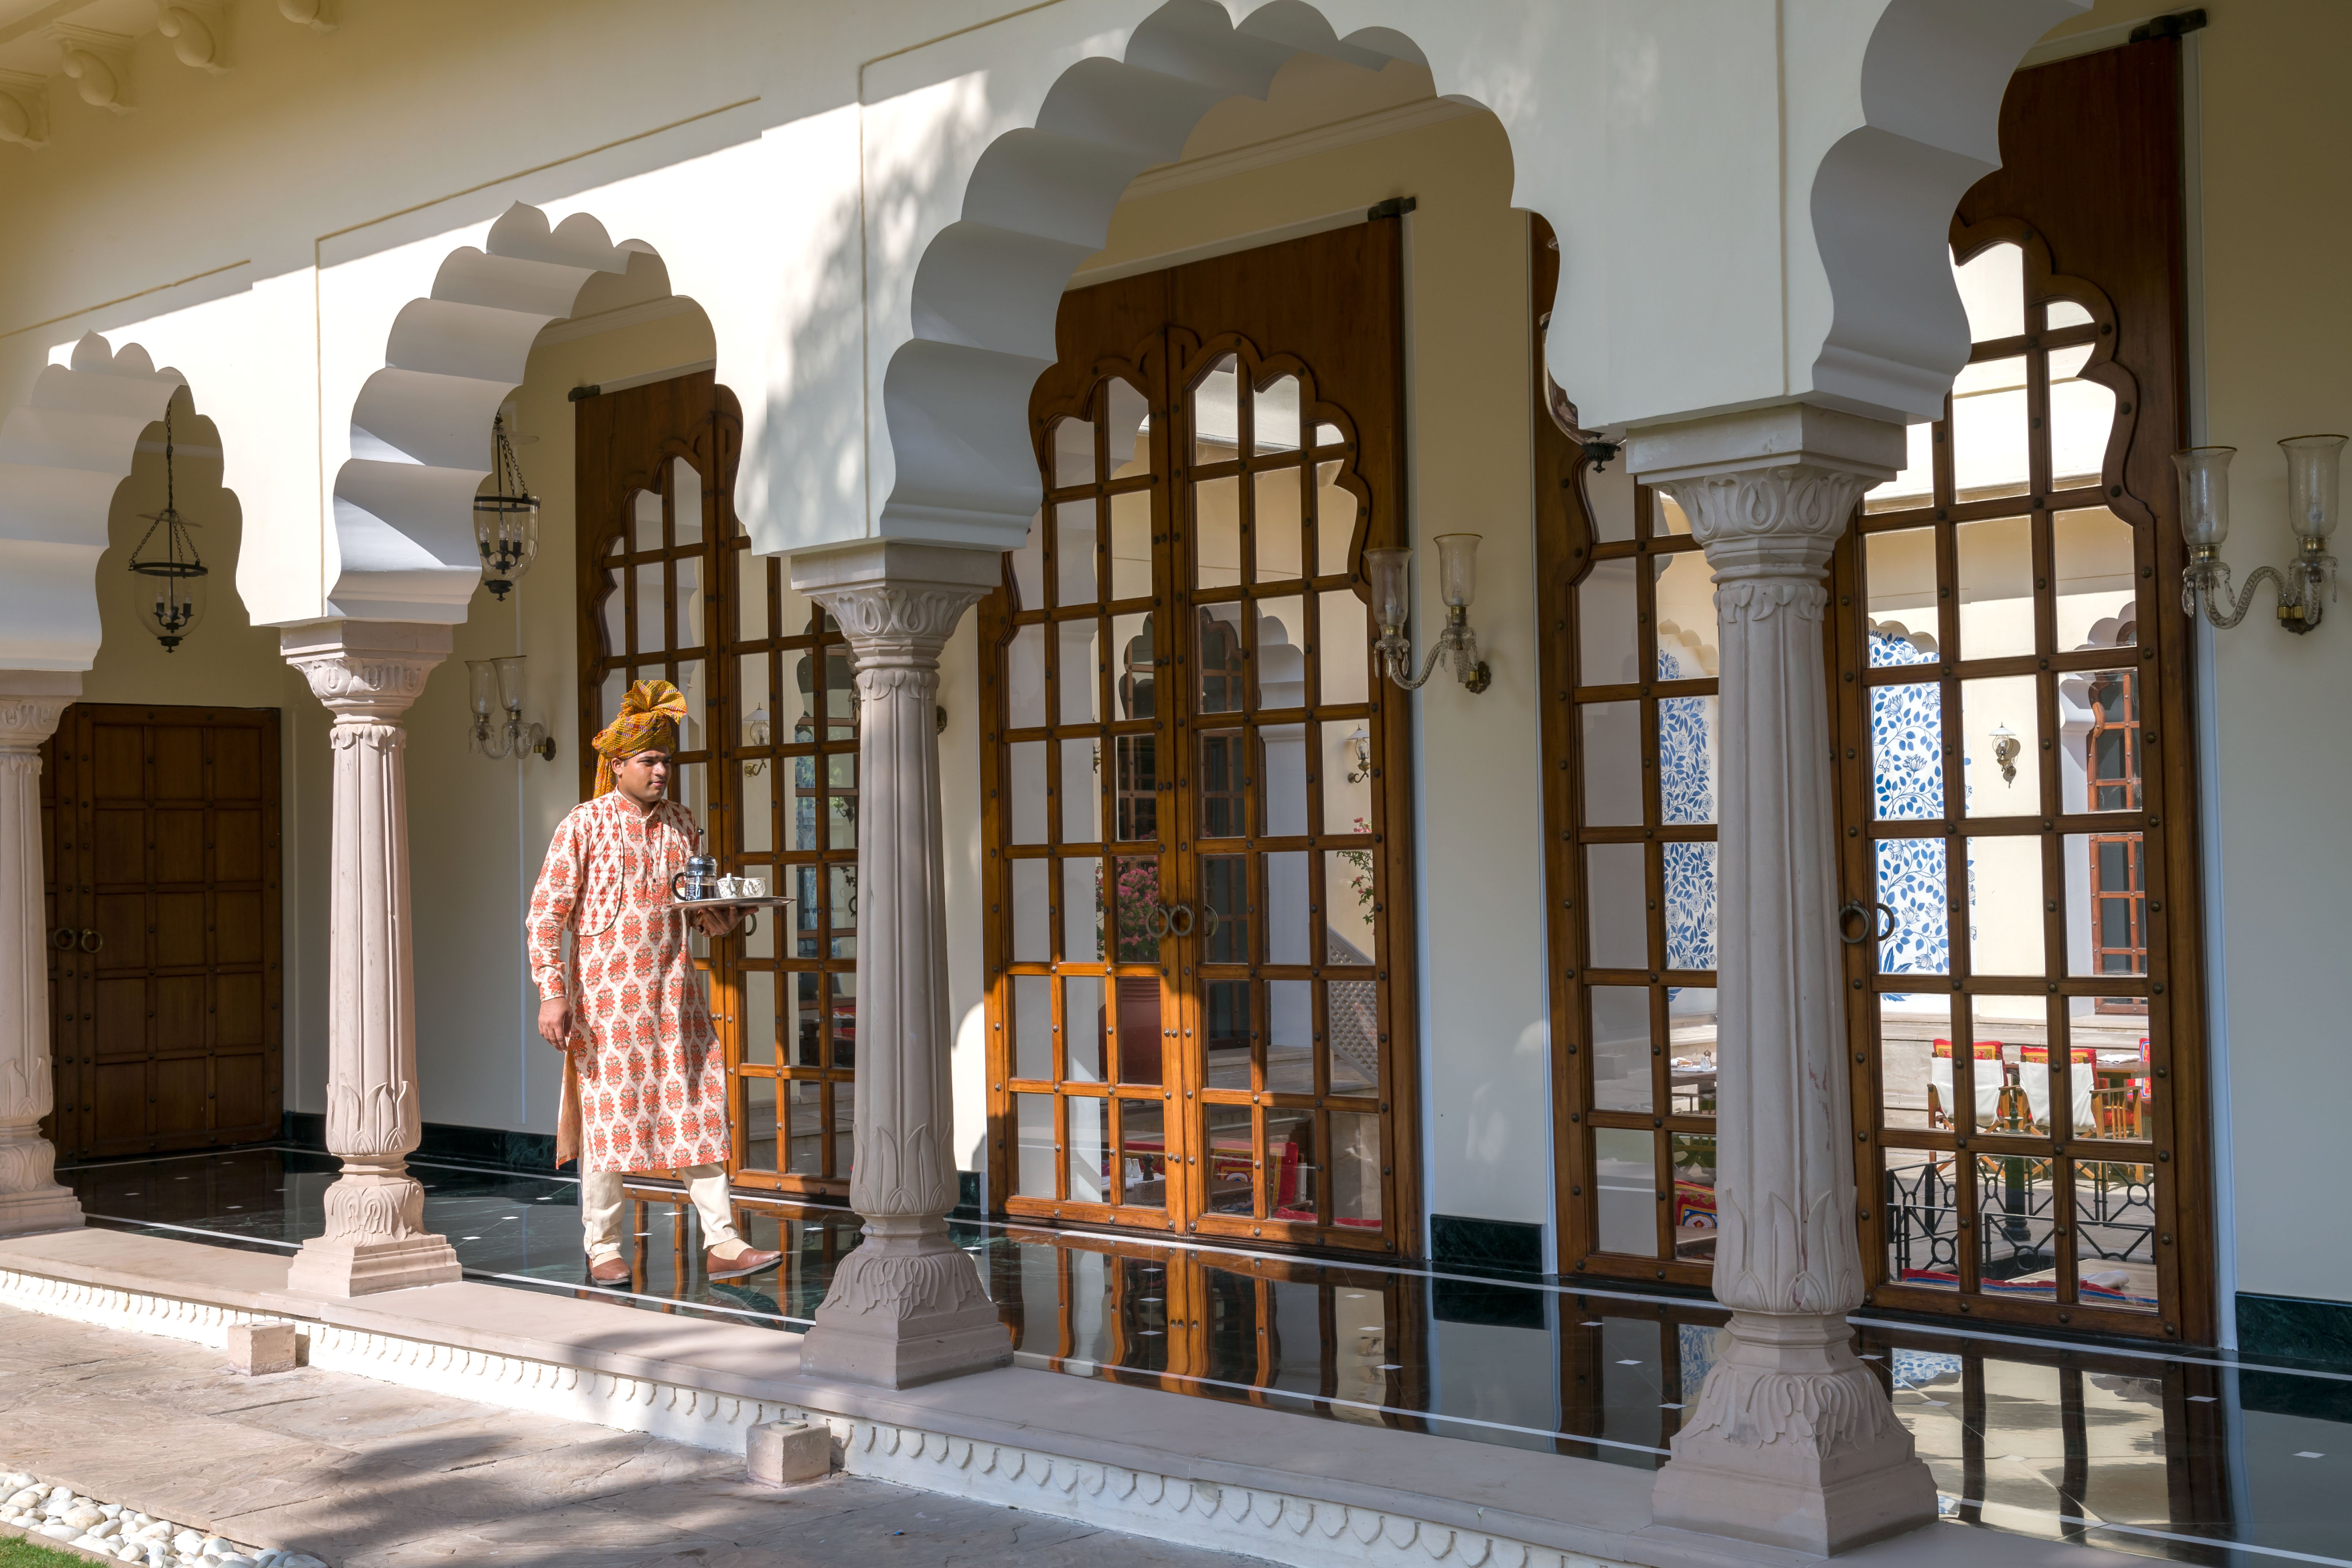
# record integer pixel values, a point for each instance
(1794, 1445)
(905, 1306)
(375, 1237)
(30, 1198)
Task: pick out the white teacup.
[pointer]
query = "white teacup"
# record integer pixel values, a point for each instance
(753, 886)
(731, 888)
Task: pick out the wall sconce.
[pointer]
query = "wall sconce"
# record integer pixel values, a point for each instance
(2005, 748)
(756, 735)
(505, 522)
(2312, 463)
(497, 682)
(1457, 584)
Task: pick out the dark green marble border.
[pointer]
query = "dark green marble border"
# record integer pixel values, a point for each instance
(2294, 1329)
(1486, 1246)
(490, 1146)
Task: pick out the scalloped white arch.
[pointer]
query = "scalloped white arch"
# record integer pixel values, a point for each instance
(1751, 200)
(63, 453)
(403, 530)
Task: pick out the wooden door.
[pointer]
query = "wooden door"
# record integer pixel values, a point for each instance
(165, 945)
(1194, 894)
(768, 762)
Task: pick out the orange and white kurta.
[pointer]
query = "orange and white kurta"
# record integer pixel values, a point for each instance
(653, 1082)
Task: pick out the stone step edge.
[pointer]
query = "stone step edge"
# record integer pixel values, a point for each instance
(1279, 1526)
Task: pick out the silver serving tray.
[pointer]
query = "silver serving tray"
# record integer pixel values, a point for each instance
(768, 901)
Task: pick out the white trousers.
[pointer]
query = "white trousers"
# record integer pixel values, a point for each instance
(601, 1205)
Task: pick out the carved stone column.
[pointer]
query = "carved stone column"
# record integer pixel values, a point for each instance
(906, 1306)
(31, 703)
(368, 673)
(1793, 1441)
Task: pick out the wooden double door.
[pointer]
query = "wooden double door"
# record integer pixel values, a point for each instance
(161, 837)
(1197, 940)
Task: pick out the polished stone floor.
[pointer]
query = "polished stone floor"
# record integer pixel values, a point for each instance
(368, 1475)
(2191, 1455)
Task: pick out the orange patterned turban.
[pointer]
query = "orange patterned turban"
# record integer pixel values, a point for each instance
(651, 711)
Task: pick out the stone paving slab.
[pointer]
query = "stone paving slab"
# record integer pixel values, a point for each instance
(370, 1476)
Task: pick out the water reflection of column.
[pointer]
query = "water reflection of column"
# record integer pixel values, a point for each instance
(905, 1306)
(31, 703)
(1793, 1441)
(368, 674)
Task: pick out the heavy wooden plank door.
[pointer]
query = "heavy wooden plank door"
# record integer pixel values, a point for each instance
(166, 991)
(669, 590)
(1199, 942)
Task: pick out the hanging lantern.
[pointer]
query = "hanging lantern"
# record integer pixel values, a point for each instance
(505, 522)
(177, 567)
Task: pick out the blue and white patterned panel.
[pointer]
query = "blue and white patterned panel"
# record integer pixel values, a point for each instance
(1907, 748)
(1686, 796)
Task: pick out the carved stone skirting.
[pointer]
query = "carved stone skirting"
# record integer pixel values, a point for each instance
(906, 1306)
(1793, 1442)
(1278, 1525)
(368, 674)
(31, 704)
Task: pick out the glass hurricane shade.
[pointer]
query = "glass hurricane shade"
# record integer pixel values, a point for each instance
(505, 528)
(1388, 567)
(495, 683)
(2204, 493)
(178, 606)
(2312, 464)
(755, 729)
(1458, 569)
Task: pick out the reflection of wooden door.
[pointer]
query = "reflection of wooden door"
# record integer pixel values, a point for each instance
(768, 762)
(166, 984)
(1194, 887)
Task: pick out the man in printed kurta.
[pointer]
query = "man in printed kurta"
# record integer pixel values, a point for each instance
(645, 1078)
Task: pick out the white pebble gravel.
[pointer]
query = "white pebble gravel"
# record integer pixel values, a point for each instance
(125, 1534)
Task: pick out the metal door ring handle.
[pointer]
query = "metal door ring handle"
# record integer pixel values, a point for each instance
(1847, 913)
(1184, 929)
(92, 941)
(62, 939)
(1157, 922)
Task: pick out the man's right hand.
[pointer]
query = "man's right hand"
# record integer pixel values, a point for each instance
(555, 1022)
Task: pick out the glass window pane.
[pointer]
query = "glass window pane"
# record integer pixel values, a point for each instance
(1335, 523)
(1621, 1047)
(686, 581)
(1355, 1170)
(1074, 552)
(1275, 417)
(1348, 893)
(1290, 1037)
(805, 1108)
(1073, 452)
(2065, 313)
(1617, 899)
(1916, 485)
(1282, 653)
(1922, 1215)
(1693, 1154)
(2005, 905)
(2015, 1220)
(1625, 1175)
(759, 1015)
(1135, 667)
(1691, 1049)
(756, 579)
(1224, 911)
(2093, 552)
(1028, 567)
(1612, 763)
(1032, 1128)
(757, 812)
(841, 996)
(1686, 623)
(1143, 1154)
(1911, 884)
(616, 622)
(1080, 671)
(1344, 654)
(1032, 1027)
(1914, 1061)
(1140, 1037)
(1082, 911)
(1217, 532)
(1345, 767)
(1025, 788)
(795, 719)
(1216, 419)
(1351, 1035)
(1130, 544)
(1126, 429)
(2002, 758)
(1992, 291)
(1690, 905)
(1907, 750)
(1084, 1028)
(1081, 791)
(1605, 626)
(1139, 901)
(1996, 572)
(845, 1129)
(1611, 494)
(1225, 1007)
(1289, 924)
(2115, 1235)
(1033, 932)
(1217, 649)
(1283, 767)
(1136, 786)
(1990, 454)
(1089, 1150)
(2101, 767)
(759, 1124)
(806, 810)
(808, 1018)
(1296, 1177)
(1278, 530)
(2107, 904)
(1899, 569)
(1224, 783)
(1025, 678)
(653, 631)
(1231, 1159)
(2082, 418)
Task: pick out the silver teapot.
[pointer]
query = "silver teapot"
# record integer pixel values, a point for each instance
(698, 882)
